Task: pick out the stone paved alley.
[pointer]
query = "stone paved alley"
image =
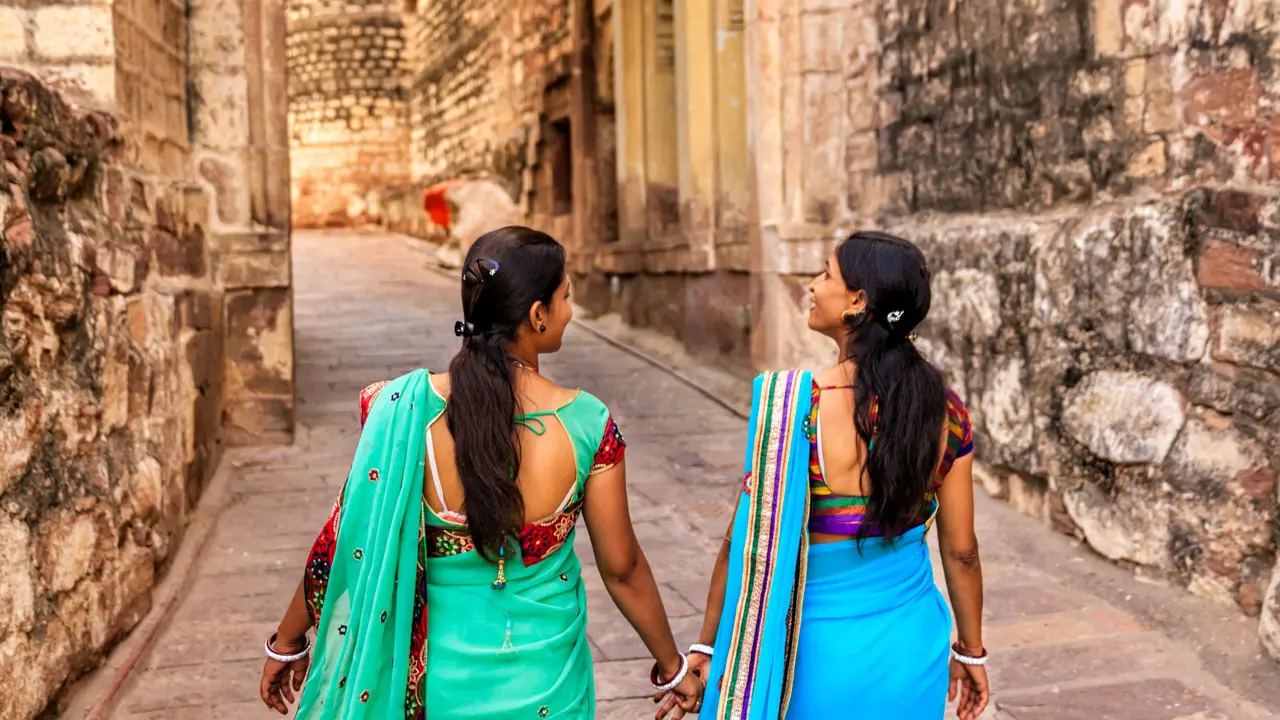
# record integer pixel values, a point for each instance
(1071, 636)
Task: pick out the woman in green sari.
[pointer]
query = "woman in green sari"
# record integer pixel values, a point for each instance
(460, 506)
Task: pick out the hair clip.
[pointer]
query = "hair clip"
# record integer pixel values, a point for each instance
(893, 317)
(483, 270)
(464, 329)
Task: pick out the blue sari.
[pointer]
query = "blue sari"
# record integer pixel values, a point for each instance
(831, 630)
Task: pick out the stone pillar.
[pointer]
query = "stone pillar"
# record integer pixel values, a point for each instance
(696, 125)
(661, 165)
(237, 68)
(733, 187)
(796, 102)
(629, 40)
(582, 119)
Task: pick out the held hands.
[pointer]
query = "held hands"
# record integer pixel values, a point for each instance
(969, 681)
(678, 702)
(281, 680)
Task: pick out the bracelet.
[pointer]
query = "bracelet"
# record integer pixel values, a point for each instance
(278, 657)
(679, 677)
(702, 649)
(968, 659)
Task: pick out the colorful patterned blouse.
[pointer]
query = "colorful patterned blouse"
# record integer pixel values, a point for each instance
(834, 514)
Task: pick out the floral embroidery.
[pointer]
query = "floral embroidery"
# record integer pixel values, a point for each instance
(342, 629)
(364, 696)
(415, 696)
(384, 616)
(358, 554)
(746, 483)
(319, 564)
(538, 540)
(395, 396)
(367, 398)
(612, 448)
(342, 683)
(444, 542)
(544, 711)
(374, 475)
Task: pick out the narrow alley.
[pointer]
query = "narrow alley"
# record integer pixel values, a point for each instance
(1071, 636)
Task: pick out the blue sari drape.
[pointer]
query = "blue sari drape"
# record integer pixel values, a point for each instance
(751, 672)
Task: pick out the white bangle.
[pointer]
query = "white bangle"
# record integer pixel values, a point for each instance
(679, 678)
(702, 649)
(969, 659)
(278, 657)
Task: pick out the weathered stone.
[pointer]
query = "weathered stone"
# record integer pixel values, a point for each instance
(17, 592)
(1269, 624)
(1006, 407)
(1124, 417)
(1249, 337)
(1214, 462)
(1230, 389)
(1125, 527)
(1167, 316)
(68, 545)
(1227, 266)
(50, 175)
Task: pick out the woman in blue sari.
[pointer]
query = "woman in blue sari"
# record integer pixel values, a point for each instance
(822, 601)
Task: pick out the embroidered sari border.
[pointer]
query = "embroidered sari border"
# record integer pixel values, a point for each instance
(777, 408)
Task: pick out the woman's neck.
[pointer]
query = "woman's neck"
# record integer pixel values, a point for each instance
(524, 358)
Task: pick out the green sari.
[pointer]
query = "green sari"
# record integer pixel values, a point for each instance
(506, 640)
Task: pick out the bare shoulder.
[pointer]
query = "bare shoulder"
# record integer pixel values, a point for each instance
(441, 383)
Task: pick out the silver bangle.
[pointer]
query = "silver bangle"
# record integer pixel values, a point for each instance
(702, 649)
(679, 677)
(278, 657)
(969, 659)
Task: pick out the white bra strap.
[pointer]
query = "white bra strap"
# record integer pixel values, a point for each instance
(435, 471)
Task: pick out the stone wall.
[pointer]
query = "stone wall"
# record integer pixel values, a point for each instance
(111, 366)
(71, 45)
(1093, 184)
(479, 75)
(348, 109)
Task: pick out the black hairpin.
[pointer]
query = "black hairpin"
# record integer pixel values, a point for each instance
(463, 328)
(483, 270)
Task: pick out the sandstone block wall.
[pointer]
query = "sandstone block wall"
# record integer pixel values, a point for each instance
(72, 45)
(479, 76)
(111, 366)
(348, 109)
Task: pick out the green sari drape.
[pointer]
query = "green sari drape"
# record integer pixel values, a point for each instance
(516, 649)
(361, 662)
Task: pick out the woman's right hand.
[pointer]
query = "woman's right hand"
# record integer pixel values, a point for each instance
(970, 681)
(683, 698)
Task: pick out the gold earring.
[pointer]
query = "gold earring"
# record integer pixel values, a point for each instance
(848, 315)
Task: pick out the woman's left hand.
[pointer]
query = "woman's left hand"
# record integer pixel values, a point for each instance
(685, 698)
(281, 680)
(971, 683)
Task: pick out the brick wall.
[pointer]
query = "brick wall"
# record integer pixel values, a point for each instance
(347, 109)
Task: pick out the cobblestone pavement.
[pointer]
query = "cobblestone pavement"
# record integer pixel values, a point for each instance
(1072, 637)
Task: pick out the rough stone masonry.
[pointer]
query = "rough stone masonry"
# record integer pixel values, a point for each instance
(108, 390)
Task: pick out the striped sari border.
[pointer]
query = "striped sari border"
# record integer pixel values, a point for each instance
(774, 436)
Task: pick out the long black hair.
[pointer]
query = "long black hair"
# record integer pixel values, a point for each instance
(506, 271)
(899, 398)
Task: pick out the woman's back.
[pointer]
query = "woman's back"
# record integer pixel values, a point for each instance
(554, 422)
